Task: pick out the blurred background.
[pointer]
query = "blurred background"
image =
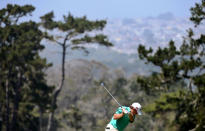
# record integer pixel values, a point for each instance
(54, 55)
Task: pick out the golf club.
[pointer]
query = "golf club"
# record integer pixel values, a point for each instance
(102, 84)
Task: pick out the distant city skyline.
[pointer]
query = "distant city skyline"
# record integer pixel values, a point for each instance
(107, 9)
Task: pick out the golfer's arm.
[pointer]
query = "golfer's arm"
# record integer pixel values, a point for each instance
(118, 116)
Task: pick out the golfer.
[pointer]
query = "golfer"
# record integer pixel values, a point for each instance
(123, 116)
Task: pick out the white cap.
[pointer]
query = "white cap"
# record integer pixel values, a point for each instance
(138, 107)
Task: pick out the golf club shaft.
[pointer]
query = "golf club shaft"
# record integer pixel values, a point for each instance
(112, 96)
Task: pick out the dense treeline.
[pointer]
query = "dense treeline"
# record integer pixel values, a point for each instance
(36, 96)
(25, 96)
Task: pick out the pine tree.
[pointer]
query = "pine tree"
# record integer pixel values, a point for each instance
(73, 33)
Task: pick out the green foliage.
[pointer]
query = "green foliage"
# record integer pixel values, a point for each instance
(198, 13)
(164, 58)
(102, 39)
(166, 102)
(75, 27)
(11, 14)
(22, 74)
(185, 64)
(72, 118)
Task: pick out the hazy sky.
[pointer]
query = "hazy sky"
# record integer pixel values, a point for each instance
(106, 9)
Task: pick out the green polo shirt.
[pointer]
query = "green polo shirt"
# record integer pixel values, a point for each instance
(121, 123)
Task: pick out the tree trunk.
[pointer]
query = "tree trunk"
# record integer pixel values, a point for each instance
(41, 120)
(14, 125)
(7, 106)
(0, 121)
(57, 91)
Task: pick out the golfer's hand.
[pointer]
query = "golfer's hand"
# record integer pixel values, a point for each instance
(124, 111)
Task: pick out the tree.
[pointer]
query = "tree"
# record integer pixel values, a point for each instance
(185, 64)
(73, 34)
(21, 70)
